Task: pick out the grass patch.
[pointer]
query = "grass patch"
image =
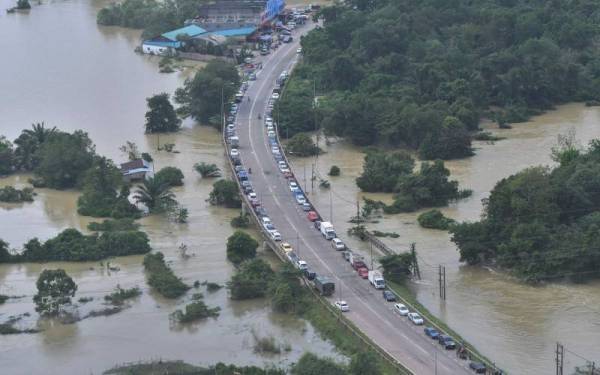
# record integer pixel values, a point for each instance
(404, 292)
(265, 345)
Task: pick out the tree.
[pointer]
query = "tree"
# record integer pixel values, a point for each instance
(310, 364)
(334, 171)
(434, 219)
(240, 247)
(5, 255)
(171, 176)
(207, 170)
(155, 195)
(28, 144)
(64, 158)
(23, 4)
(251, 280)
(382, 170)
(286, 291)
(397, 267)
(55, 289)
(7, 157)
(131, 150)
(161, 116)
(364, 363)
(225, 192)
(162, 278)
(302, 145)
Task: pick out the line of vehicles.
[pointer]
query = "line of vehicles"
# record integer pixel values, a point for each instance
(323, 284)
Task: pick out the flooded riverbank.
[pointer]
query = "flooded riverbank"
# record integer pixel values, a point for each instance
(515, 324)
(92, 80)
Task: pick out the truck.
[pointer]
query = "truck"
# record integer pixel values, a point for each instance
(327, 230)
(324, 285)
(376, 279)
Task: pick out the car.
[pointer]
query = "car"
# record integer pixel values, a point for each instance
(317, 224)
(294, 186)
(275, 150)
(269, 123)
(270, 128)
(401, 309)
(478, 367)
(415, 318)
(431, 332)
(275, 235)
(269, 227)
(275, 95)
(299, 50)
(300, 199)
(286, 247)
(266, 220)
(306, 207)
(282, 164)
(264, 52)
(363, 272)
(252, 77)
(302, 265)
(312, 215)
(234, 153)
(342, 305)
(271, 134)
(310, 274)
(252, 195)
(447, 342)
(337, 244)
(359, 264)
(346, 254)
(260, 212)
(389, 296)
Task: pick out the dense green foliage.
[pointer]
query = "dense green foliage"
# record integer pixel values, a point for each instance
(201, 96)
(155, 195)
(161, 277)
(393, 172)
(120, 295)
(207, 170)
(182, 368)
(104, 193)
(28, 143)
(251, 280)
(23, 4)
(240, 247)
(161, 116)
(226, 193)
(72, 245)
(295, 110)
(541, 223)
(114, 225)
(155, 17)
(195, 310)
(171, 176)
(7, 157)
(301, 144)
(11, 195)
(334, 171)
(420, 73)
(397, 267)
(434, 219)
(310, 364)
(55, 289)
(286, 293)
(240, 221)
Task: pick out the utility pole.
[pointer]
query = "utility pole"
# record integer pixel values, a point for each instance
(560, 356)
(312, 178)
(298, 244)
(330, 207)
(371, 255)
(315, 113)
(357, 212)
(305, 187)
(442, 281)
(416, 270)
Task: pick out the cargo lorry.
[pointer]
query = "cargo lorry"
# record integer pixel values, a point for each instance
(327, 230)
(324, 285)
(376, 279)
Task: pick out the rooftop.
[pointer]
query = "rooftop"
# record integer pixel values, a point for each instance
(191, 30)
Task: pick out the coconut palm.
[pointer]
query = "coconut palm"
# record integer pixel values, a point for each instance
(29, 142)
(155, 195)
(207, 170)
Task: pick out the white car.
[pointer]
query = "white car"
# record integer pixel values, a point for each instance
(266, 220)
(294, 187)
(252, 195)
(300, 198)
(234, 153)
(415, 318)
(401, 309)
(299, 50)
(275, 150)
(337, 244)
(275, 235)
(271, 134)
(302, 265)
(275, 95)
(342, 306)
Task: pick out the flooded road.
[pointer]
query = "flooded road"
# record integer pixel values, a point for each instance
(515, 324)
(74, 75)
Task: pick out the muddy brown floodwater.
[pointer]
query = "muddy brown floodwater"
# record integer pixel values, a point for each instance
(515, 324)
(61, 68)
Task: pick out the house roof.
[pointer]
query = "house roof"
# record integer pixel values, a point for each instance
(191, 30)
(243, 31)
(134, 164)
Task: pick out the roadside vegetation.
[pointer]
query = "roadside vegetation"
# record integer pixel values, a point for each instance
(200, 97)
(182, 368)
(162, 278)
(301, 144)
(420, 74)
(541, 223)
(393, 173)
(72, 245)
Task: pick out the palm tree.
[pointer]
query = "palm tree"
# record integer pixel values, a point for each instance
(39, 132)
(155, 195)
(207, 170)
(29, 142)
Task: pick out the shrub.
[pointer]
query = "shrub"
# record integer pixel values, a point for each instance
(195, 311)
(251, 280)
(11, 195)
(225, 193)
(170, 176)
(161, 277)
(114, 225)
(120, 295)
(240, 221)
(334, 170)
(241, 246)
(302, 145)
(434, 219)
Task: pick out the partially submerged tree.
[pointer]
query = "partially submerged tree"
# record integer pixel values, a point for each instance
(161, 116)
(241, 246)
(155, 195)
(55, 290)
(207, 170)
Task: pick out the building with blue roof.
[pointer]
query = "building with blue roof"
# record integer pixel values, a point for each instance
(167, 43)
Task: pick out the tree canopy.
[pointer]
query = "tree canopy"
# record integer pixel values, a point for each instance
(540, 223)
(55, 289)
(226, 193)
(251, 280)
(161, 116)
(421, 73)
(241, 246)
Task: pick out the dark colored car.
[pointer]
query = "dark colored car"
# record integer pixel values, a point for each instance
(389, 296)
(317, 225)
(446, 342)
(310, 274)
(260, 211)
(478, 367)
(359, 264)
(431, 332)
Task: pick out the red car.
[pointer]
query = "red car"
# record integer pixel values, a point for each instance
(359, 264)
(363, 272)
(312, 216)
